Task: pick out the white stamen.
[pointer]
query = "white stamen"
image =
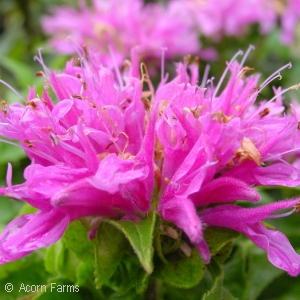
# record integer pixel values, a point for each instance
(64, 145)
(205, 76)
(80, 53)
(281, 215)
(68, 76)
(272, 77)
(119, 76)
(9, 177)
(162, 74)
(267, 104)
(34, 151)
(12, 89)
(78, 48)
(39, 58)
(240, 52)
(97, 91)
(47, 112)
(211, 82)
(282, 153)
(84, 65)
(11, 143)
(251, 47)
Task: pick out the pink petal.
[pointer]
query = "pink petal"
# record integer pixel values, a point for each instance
(182, 212)
(30, 232)
(113, 172)
(225, 189)
(248, 221)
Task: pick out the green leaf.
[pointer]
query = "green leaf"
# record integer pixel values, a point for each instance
(67, 263)
(168, 291)
(129, 275)
(28, 270)
(283, 287)
(248, 272)
(76, 239)
(223, 253)
(128, 295)
(218, 292)
(52, 254)
(218, 237)
(158, 241)
(235, 270)
(123, 278)
(142, 281)
(139, 276)
(84, 273)
(110, 247)
(214, 268)
(181, 271)
(61, 261)
(260, 273)
(140, 236)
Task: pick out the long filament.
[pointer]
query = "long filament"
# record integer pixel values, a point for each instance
(240, 52)
(12, 89)
(118, 73)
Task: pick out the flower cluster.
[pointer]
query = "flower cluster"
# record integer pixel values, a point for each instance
(223, 145)
(175, 26)
(234, 18)
(90, 154)
(106, 143)
(231, 17)
(119, 26)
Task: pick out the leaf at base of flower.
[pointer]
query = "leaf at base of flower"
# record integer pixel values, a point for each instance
(224, 253)
(214, 269)
(218, 237)
(60, 261)
(28, 270)
(140, 236)
(218, 292)
(76, 239)
(181, 271)
(110, 247)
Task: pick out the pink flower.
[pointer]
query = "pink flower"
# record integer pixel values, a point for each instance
(223, 145)
(216, 18)
(290, 16)
(122, 25)
(91, 153)
(248, 221)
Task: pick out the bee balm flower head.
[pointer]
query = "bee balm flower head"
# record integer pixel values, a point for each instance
(101, 147)
(91, 152)
(219, 144)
